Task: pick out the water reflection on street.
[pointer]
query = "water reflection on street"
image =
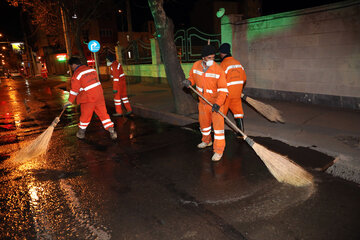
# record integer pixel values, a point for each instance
(151, 183)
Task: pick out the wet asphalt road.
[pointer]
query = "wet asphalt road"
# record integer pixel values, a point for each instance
(152, 183)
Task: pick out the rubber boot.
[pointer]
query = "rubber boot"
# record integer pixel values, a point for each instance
(216, 157)
(129, 114)
(204, 144)
(81, 133)
(113, 134)
(240, 123)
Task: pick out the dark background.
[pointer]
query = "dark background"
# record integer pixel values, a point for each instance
(178, 10)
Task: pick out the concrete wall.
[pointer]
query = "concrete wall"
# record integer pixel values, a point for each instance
(310, 55)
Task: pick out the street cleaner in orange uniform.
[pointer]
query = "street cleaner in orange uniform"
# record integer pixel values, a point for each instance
(119, 86)
(236, 79)
(210, 81)
(86, 87)
(44, 72)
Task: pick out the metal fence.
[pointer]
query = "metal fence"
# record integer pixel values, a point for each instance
(137, 52)
(189, 43)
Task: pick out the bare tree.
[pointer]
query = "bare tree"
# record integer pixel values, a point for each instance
(46, 14)
(184, 103)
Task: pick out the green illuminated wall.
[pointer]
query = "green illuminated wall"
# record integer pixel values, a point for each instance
(315, 50)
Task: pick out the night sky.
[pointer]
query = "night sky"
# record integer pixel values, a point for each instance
(178, 10)
(10, 22)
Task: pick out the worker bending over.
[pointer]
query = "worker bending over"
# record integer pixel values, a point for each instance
(86, 87)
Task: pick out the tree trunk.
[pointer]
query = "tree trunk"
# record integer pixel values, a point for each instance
(184, 102)
(78, 43)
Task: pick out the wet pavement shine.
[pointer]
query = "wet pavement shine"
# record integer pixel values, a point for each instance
(152, 182)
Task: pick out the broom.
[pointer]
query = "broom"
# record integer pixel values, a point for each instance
(39, 145)
(269, 112)
(281, 167)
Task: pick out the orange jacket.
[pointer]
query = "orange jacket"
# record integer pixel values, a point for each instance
(117, 74)
(235, 76)
(85, 85)
(212, 83)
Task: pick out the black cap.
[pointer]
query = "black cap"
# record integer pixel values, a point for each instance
(110, 57)
(225, 48)
(74, 60)
(208, 50)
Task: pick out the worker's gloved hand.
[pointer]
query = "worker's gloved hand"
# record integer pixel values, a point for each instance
(186, 83)
(115, 91)
(67, 104)
(215, 108)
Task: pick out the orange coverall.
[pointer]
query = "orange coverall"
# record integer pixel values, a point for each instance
(119, 84)
(236, 78)
(44, 72)
(86, 87)
(211, 83)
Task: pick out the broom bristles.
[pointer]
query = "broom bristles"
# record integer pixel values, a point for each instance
(282, 168)
(37, 147)
(266, 110)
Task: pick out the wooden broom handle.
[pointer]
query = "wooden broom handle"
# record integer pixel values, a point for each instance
(223, 115)
(62, 112)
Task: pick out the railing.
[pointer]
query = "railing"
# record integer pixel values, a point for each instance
(189, 43)
(137, 52)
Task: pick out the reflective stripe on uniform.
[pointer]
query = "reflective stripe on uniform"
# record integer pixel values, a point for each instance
(209, 91)
(235, 83)
(125, 100)
(222, 90)
(90, 86)
(213, 75)
(197, 72)
(123, 74)
(219, 137)
(233, 66)
(116, 79)
(83, 125)
(118, 66)
(199, 88)
(73, 93)
(105, 121)
(85, 72)
(206, 131)
(219, 131)
(109, 125)
(238, 115)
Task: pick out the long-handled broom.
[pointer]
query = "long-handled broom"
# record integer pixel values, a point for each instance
(39, 145)
(268, 111)
(281, 167)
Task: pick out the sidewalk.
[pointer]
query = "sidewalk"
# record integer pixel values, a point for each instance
(335, 132)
